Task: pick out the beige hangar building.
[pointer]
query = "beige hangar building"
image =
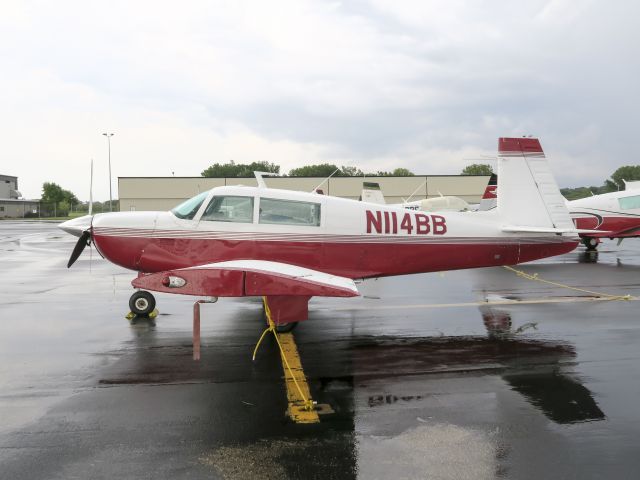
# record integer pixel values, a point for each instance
(164, 193)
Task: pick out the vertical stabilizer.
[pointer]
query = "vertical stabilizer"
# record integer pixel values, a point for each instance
(528, 193)
(490, 197)
(372, 193)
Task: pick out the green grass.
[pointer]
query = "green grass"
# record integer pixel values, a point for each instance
(57, 219)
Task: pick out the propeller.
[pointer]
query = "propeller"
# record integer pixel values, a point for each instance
(83, 241)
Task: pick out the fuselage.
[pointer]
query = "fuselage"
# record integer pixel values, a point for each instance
(334, 235)
(615, 214)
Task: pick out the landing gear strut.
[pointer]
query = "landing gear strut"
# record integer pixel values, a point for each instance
(590, 242)
(281, 327)
(142, 303)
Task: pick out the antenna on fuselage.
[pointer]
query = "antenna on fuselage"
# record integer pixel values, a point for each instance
(260, 180)
(414, 192)
(325, 180)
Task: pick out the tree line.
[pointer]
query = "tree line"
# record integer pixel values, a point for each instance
(65, 201)
(612, 184)
(629, 173)
(232, 169)
(57, 201)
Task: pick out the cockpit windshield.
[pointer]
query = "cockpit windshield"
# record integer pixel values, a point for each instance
(187, 210)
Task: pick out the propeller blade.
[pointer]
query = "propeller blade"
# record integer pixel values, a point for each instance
(82, 242)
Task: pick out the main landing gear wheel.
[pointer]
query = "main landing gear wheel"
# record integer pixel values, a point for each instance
(286, 327)
(590, 243)
(142, 303)
(282, 328)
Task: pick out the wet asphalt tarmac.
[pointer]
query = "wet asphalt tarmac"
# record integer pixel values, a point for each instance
(424, 381)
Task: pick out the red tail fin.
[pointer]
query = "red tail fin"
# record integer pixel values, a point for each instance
(492, 188)
(519, 146)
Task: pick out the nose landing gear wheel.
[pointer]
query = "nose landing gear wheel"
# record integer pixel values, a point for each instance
(142, 303)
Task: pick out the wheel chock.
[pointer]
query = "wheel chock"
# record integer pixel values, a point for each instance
(151, 316)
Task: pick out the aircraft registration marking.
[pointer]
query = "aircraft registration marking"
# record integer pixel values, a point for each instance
(410, 223)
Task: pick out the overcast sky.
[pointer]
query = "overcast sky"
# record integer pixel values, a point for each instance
(427, 85)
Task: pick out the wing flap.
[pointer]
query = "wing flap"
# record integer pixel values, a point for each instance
(248, 278)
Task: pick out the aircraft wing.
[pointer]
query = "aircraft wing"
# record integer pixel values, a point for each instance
(239, 278)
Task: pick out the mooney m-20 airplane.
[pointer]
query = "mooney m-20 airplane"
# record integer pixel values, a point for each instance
(289, 246)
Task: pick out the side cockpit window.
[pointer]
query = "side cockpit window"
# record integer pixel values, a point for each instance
(628, 203)
(289, 212)
(187, 210)
(229, 209)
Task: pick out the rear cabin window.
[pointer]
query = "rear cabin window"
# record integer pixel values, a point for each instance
(229, 209)
(187, 210)
(289, 212)
(627, 203)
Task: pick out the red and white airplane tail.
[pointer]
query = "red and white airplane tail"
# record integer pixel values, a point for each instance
(529, 200)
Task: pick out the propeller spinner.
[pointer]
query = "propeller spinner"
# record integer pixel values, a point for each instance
(80, 227)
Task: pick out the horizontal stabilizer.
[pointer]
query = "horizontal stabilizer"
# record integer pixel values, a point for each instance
(239, 278)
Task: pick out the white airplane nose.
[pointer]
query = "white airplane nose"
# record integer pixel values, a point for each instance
(77, 225)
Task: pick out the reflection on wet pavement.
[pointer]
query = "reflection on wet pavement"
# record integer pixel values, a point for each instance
(516, 391)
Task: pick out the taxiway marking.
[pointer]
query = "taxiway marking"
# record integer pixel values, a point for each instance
(498, 302)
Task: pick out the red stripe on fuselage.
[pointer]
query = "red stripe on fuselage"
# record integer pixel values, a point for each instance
(610, 226)
(352, 260)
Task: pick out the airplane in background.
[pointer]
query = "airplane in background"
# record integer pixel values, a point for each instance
(608, 215)
(611, 215)
(289, 246)
(371, 192)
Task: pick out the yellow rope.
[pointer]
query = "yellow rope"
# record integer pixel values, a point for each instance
(535, 277)
(308, 403)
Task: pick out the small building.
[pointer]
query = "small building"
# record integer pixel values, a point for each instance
(11, 203)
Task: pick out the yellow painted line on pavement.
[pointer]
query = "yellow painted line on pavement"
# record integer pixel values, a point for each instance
(533, 301)
(297, 409)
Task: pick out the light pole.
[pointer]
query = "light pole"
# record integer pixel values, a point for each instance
(109, 135)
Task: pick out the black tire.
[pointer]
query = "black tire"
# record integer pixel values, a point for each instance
(590, 243)
(286, 327)
(142, 303)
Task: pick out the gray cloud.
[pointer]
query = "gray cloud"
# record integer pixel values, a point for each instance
(420, 83)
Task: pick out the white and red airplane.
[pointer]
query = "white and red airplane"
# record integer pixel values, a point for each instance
(371, 192)
(611, 215)
(608, 215)
(289, 246)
